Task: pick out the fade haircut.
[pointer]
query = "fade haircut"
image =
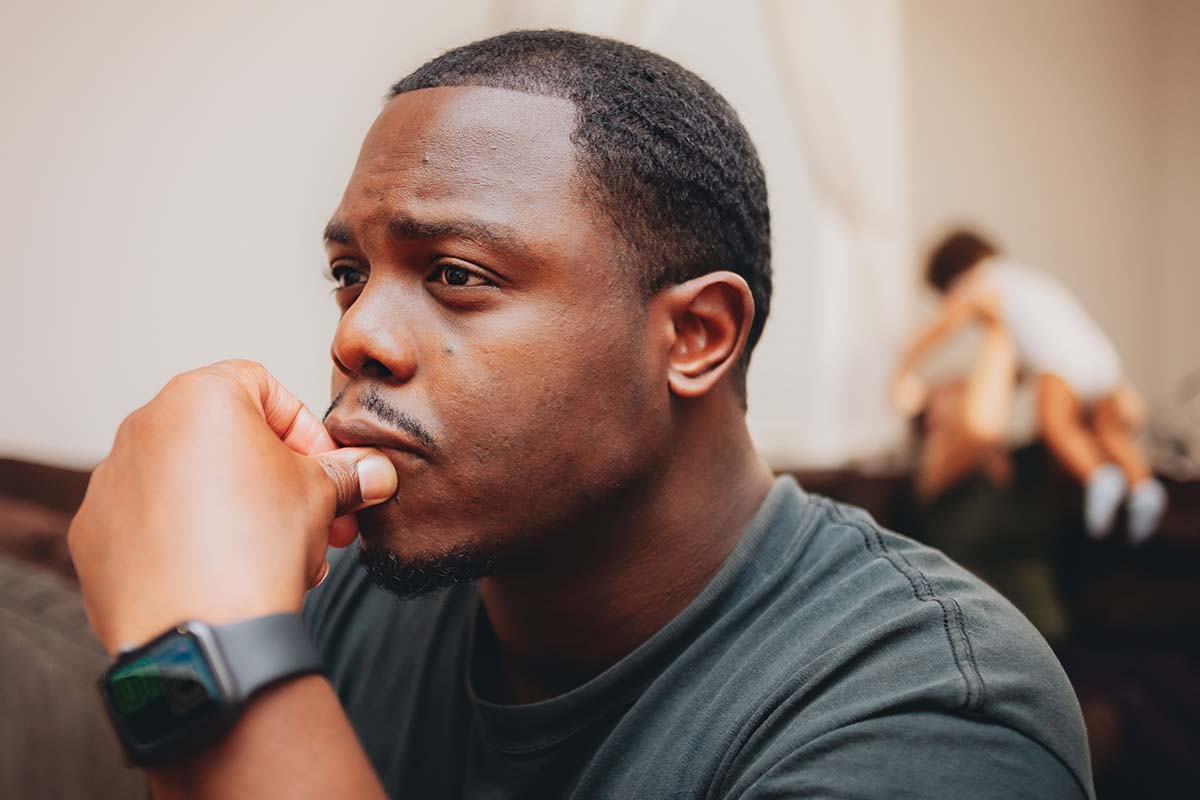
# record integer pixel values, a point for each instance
(662, 153)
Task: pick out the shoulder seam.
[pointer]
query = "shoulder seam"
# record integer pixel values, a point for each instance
(953, 621)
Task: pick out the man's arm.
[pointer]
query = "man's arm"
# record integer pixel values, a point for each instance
(216, 504)
(293, 741)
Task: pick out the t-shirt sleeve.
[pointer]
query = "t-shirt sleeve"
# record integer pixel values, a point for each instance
(920, 755)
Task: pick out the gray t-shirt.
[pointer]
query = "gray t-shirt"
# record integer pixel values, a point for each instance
(827, 659)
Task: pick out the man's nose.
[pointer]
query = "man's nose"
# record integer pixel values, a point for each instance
(374, 338)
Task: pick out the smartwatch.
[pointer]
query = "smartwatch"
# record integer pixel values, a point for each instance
(186, 686)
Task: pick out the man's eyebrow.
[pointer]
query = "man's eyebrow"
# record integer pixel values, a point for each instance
(338, 232)
(487, 234)
(405, 228)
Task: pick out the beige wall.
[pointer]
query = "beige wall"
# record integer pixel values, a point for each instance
(165, 173)
(1178, 164)
(1069, 130)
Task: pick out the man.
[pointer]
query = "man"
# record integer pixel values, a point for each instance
(552, 262)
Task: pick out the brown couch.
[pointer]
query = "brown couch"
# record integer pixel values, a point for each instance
(55, 741)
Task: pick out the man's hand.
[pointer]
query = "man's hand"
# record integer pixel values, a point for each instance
(216, 503)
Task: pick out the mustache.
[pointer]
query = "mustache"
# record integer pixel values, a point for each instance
(372, 400)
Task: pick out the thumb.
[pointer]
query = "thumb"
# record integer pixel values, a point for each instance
(360, 476)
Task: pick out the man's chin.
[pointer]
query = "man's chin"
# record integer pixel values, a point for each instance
(413, 576)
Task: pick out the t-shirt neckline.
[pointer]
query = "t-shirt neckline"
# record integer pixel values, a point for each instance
(527, 728)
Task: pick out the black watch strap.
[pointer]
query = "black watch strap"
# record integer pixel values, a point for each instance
(264, 650)
(185, 687)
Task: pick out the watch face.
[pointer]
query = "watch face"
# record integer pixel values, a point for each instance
(167, 689)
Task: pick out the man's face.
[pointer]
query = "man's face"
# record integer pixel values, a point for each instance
(487, 333)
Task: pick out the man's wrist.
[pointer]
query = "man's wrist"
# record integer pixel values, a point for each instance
(133, 628)
(186, 686)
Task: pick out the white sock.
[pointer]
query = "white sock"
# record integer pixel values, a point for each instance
(1104, 491)
(1147, 502)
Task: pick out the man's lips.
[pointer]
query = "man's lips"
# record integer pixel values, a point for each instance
(361, 432)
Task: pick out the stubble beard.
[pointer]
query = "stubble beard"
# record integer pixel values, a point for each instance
(409, 578)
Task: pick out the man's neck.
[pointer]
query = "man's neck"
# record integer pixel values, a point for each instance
(558, 627)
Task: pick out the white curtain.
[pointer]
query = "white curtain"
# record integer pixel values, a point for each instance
(819, 85)
(634, 21)
(839, 65)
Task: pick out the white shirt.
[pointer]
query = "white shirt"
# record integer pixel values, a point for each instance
(1051, 330)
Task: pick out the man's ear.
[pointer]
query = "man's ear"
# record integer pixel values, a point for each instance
(711, 317)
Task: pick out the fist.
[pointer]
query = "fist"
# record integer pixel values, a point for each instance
(217, 503)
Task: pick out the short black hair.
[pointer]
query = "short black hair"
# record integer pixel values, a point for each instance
(665, 155)
(956, 253)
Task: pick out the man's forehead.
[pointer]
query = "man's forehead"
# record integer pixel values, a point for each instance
(473, 133)
(490, 165)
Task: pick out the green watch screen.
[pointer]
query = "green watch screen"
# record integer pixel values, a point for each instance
(167, 689)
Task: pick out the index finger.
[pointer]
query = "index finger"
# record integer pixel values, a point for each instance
(292, 422)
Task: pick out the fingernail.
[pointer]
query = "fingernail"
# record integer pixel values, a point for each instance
(376, 479)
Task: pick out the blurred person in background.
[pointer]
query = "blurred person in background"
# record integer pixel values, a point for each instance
(1087, 413)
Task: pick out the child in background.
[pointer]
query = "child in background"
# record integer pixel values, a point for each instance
(1086, 412)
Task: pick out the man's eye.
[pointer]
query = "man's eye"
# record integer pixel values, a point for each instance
(455, 275)
(344, 275)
